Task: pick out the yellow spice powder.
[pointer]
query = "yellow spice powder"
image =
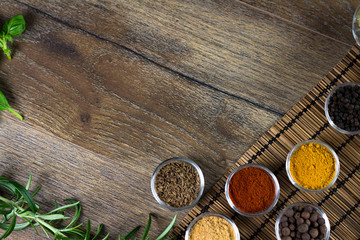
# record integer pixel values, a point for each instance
(312, 166)
(212, 228)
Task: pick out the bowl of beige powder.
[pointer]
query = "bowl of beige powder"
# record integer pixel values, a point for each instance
(212, 226)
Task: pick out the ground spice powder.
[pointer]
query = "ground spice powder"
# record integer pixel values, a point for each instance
(312, 166)
(252, 190)
(212, 228)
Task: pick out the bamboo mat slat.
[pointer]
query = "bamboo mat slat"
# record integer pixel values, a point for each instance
(306, 120)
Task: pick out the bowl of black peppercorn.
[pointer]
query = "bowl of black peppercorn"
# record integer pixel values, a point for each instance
(342, 108)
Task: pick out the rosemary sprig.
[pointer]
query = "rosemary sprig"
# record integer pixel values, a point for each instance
(21, 205)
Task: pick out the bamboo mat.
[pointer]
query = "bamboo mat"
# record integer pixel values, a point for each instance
(306, 120)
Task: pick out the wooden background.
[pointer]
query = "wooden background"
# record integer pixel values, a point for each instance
(109, 89)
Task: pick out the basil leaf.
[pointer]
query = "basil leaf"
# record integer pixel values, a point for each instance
(4, 105)
(15, 26)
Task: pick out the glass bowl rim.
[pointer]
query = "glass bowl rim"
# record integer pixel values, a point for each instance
(276, 184)
(178, 159)
(336, 159)
(209, 214)
(353, 25)
(326, 108)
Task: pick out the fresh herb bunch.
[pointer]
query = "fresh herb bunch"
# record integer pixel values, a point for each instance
(22, 205)
(4, 105)
(13, 27)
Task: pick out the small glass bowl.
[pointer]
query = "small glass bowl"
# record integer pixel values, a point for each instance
(355, 25)
(277, 191)
(322, 214)
(177, 159)
(327, 109)
(292, 180)
(209, 214)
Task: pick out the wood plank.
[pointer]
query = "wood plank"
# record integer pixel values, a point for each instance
(111, 192)
(115, 103)
(105, 98)
(331, 18)
(226, 45)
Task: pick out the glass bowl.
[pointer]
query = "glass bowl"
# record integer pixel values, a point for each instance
(209, 214)
(356, 25)
(276, 198)
(292, 180)
(319, 210)
(327, 109)
(177, 159)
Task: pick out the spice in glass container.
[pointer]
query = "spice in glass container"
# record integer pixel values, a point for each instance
(344, 108)
(312, 166)
(177, 184)
(212, 228)
(252, 190)
(302, 222)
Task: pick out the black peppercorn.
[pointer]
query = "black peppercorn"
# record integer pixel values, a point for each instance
(343, 107)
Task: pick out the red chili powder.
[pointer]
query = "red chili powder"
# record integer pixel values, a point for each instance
(252, 190)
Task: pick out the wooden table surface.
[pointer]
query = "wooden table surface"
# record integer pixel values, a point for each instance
(109, 89)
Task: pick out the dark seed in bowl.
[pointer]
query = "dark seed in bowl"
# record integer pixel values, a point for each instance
(344, 108)
(177, 184)
(308, 224)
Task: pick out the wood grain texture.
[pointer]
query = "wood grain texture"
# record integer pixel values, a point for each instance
(109, 89)
(225, 45)
(332, 18)
(111, 191)
(111, 101)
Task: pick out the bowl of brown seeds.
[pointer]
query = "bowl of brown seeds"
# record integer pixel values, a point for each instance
(177, 184)
(303, 221)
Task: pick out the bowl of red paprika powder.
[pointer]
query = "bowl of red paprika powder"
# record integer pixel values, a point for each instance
(252, 190)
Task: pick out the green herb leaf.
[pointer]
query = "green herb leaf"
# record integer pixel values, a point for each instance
(15, 26)
(10, 228)
(147, 228)
(4, 105)
(167, 230)
(88, 230)
(98, 231)
(53, 217)
(131, 233)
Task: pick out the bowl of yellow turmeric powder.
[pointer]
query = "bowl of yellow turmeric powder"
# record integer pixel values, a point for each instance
(312, 166)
